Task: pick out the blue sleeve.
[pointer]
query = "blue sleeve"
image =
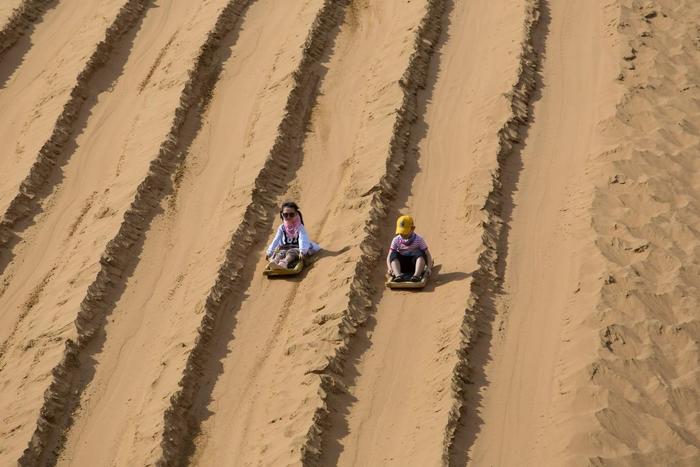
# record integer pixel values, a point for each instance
(277, 241)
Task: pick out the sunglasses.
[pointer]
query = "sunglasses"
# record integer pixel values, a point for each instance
(288, 215)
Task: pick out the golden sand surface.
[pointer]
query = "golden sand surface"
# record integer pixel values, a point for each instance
(547, 149)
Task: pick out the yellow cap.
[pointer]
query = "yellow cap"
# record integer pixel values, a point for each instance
(404, 225)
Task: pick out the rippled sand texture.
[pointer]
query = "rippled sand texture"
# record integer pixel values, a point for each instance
(546, 148)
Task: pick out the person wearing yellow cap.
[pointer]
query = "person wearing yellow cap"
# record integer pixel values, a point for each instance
(408, 256)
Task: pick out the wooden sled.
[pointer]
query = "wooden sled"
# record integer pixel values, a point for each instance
(408, 285)
(301, 263)
(269, 272)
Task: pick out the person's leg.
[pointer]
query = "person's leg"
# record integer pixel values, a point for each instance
(278, 259)
(292, 257)
(286, 259)
(396, 267)
(275, 260)
(406, 265)
(420, 266)
(395, 264)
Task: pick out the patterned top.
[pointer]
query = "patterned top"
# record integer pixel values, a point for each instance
(306, 246)
(405, 246)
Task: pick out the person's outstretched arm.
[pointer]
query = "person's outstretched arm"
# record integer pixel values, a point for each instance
(275, 243)
(304, 242)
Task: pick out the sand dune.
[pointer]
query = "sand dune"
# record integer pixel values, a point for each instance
(641, 397)
(141, 309)
(273, 409)
(40, 83)
(388, 422)
(546, 148)
(87, 204)
(547, 223)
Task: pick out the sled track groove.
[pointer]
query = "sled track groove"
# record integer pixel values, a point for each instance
(26, 202)
(21, 19)
(486, 281)
(64, 392)
(360, 301)
(179, 425)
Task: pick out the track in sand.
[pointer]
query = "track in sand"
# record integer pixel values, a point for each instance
(547, 150)
(546, 219)
(288, 327)
(399, 409)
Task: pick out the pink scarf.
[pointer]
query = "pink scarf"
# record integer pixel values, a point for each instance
(291, 226)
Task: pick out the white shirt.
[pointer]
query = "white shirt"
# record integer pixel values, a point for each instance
(306, 246)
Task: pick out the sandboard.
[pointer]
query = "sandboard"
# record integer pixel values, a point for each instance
(408, 284)
(269, 272)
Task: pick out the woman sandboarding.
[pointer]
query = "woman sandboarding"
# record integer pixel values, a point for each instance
(291, 241)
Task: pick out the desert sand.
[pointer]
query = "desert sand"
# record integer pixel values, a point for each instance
(546, 148)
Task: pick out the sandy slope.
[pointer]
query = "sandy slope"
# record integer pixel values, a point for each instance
(7, 7)
(545, 236)
(121, 419)
(265, 398)
(132, 288)
(637, 396)
(36, 82)
(399, 402)
(58, 255)
(17, 21)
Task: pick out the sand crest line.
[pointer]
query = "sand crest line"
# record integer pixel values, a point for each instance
(486, 281)
(25, 204)
(179, 427)
(22, 18)
(63, 394)
(360, 301)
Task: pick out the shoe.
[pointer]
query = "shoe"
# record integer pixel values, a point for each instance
(400, 278)
(415, 279)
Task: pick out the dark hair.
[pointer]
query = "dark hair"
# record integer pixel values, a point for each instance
(292, 205)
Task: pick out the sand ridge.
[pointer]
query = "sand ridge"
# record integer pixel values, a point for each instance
(181, 423)
(174, 235)
(71, 289)
(547, 149)
(546, 221)
(17, 17)
(282, 404)
(116, 259)
(386, 421)
(47, 90)
(13, 317)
